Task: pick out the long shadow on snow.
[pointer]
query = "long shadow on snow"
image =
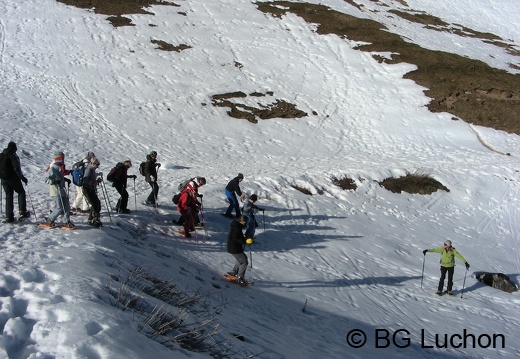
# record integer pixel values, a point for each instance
(342, 282)
(262, 339)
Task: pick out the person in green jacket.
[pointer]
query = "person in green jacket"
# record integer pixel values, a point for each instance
(448, 254)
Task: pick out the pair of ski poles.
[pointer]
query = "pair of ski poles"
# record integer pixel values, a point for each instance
(463, 283)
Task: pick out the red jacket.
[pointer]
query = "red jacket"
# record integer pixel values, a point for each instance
(188, 199)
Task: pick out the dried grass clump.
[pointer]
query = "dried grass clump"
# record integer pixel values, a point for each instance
(415, 183)
(344, 183)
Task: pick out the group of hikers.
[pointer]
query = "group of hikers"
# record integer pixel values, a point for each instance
(87, 200)
(188, 205)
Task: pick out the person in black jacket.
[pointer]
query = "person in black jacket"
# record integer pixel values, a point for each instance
(119, 182)
(150, 173)
(12, 182)
(231, 191)
(235, 247)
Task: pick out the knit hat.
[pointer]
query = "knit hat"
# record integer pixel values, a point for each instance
(447, 243)
(12, 147)
(253, 198)
(59, 156)
(240, 176)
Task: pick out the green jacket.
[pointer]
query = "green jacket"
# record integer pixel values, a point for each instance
(447, 256)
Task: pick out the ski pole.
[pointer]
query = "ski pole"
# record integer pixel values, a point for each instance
(193, 224)
(107, 201)
(61, 199)
(422, 274)
(30, 200)
(251, 260)
(2, 200)
(464, 283)
(263, 220)
(135, 197)
(203, 219)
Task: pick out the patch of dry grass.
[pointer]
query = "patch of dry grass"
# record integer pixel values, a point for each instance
(413, 183)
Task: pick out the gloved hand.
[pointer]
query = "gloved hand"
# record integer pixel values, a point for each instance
(132, 176)
(152, 179)
(24, 180)
(67, 181)
(424, 252)
(200, 195)
(261, 209)
(249, 241)
(100, 174)
(99, 180)
(467, 265)
(158, 164)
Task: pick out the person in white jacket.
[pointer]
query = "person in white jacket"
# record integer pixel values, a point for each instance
(80, 203)
(56, 182)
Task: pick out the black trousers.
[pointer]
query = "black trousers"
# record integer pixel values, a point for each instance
(122, 203)
(152, 197)
(444, 271)
(11, 186)
(95, 203)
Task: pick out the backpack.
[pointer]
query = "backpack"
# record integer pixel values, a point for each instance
(6, 167)
(115, 173)
(77, 175)
(141, 168)
(176, 198)
(184, 184)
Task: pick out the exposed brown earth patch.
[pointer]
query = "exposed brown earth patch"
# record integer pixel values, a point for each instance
(277, 109)
(164, 46)
(413, 183)
(464, 87)
(344, 182)
(117, 8)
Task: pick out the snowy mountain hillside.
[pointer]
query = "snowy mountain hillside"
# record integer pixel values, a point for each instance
(218, 88)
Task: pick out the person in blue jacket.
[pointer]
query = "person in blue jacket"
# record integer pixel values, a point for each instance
(231, 191)
(250, 208)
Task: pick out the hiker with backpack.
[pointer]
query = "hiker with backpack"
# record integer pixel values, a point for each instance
(188, 207)
(150, 173)
(231, 191)
(250, 208)
(91, 180)
(195, 183)
(448, 254)
(118, 176)
(12, 177)
(56, 181)
(80, 203)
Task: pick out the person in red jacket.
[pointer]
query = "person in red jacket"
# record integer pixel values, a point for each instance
(188, 207)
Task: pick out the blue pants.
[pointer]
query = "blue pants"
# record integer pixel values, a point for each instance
(233, 203)
(62, 208)
(251, 226)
